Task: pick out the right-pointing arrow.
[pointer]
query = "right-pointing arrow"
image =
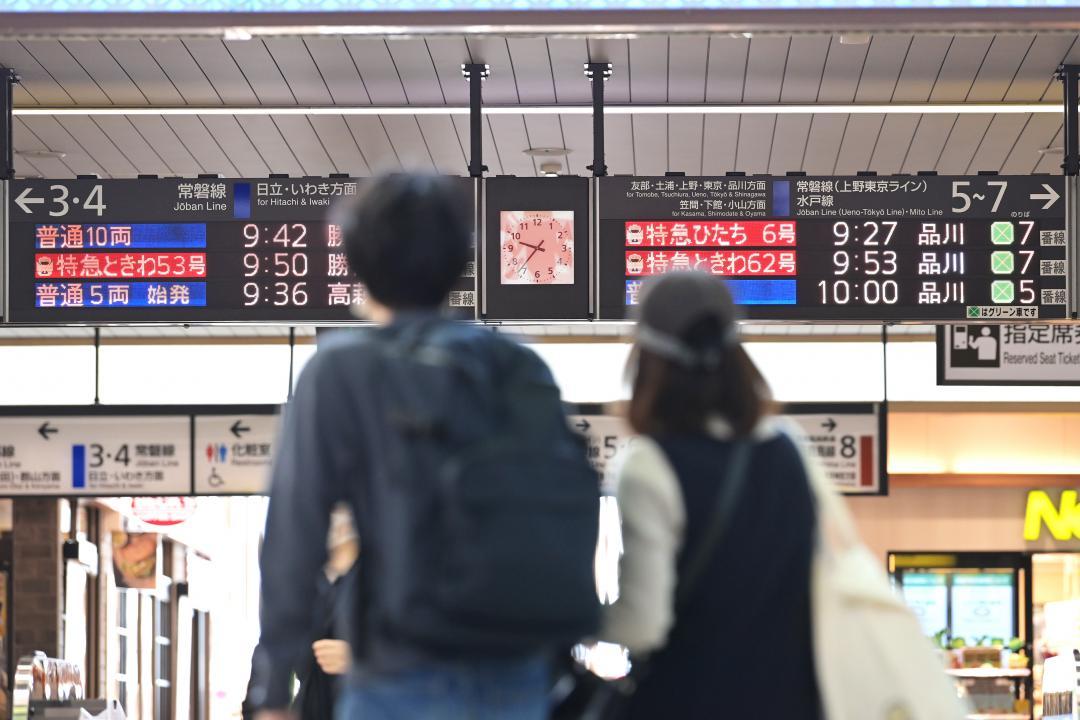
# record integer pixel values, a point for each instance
(1050, 196)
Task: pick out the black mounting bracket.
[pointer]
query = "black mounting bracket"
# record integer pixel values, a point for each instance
(8, 78)
(1069, 75)
(475, 74)
(598, 74)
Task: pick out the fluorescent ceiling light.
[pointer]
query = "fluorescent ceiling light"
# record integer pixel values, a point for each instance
(673, 109)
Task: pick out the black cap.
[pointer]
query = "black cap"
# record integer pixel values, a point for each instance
(674, 318)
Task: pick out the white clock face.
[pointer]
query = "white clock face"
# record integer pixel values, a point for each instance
(537, 247)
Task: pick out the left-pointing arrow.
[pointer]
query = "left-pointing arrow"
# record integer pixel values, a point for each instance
(46, 430)
(24, 201)
(238, 428)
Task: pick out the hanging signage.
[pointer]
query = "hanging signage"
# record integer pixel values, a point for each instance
(66, 455)
(847, 439)
(233, 453)
(898, 248)
(174, 250)
(163, 511)
(1033, 354)
(537, 256)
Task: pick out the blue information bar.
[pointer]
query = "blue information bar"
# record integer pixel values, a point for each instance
(136, 236)
(119, 294)
(78, 466)
(745, 292)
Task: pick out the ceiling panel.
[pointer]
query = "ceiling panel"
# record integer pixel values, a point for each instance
(1002, 62)
(649, 69)
(789, 143)
(500, 88)
(1002, 134)
(46, 167)
(619, 146)
(545, 131)
(765, 69)
(964, 139)
(857, 146)
(510, 138)
(413, 65)
(448, 54)
(930, 135)
(54, 57)
(923, 63)
(86, 131)
(687, 62)
(230, 136)
(1051, 162)
(755, 144)
(721, 139)
(1036, 71)
(577, 129)
(726, 73)
(141, 154)
(532, 70)
(1025, 155)
(842, 71)
(892, 145)
(1072, 57)
(650, 144)
(338, 70)
(144, 71)
(823, 143)
(218, 64)
(372, 57)
(202, 146)
(305, 143)
(443, 142)
(117, 85)
(166, 143)
(404, 133)
(489, 150)
(267, 139)
(261, 72)
(881, 71)
(54, 136)
(37, 85)
(616, 52)
(962, 63)
(177, 61)
(296, 64)
(568, 57)
(338, 139)
(806, 63)
(371, 137)
(685, 138)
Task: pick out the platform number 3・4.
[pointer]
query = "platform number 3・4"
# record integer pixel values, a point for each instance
(537, 247)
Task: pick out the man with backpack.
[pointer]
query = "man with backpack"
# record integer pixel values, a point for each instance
(475, 505)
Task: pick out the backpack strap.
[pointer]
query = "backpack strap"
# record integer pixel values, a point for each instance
(726, 500)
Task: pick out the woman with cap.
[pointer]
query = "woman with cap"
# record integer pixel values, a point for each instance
(718, 523)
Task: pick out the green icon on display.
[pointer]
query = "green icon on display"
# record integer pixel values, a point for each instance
(1001, 262)
(1002, 292)
(1001, 233)
(974, 312)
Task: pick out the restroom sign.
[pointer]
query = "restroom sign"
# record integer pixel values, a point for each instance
(233, 453)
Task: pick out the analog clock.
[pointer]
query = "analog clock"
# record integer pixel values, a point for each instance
(537, 247)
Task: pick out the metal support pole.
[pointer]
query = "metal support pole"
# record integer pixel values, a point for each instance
(598, 73)
(8, 78)
(1070, 78)
(475, 74)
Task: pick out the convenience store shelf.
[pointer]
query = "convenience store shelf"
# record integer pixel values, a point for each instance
(990, 673)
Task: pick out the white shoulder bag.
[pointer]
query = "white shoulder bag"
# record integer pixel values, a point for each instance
(872, 659)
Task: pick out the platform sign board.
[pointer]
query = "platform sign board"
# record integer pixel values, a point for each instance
(1030, 354)
(896, 248)
(116, 456)
(175, 250)
(233, 453)
(848, 440)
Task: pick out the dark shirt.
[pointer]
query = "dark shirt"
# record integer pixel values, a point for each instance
(741, 646)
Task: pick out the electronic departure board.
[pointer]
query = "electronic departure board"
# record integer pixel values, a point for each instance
(177, 250)
(889, 248)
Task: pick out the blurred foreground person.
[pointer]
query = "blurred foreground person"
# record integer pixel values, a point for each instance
(718, 524)
(475, 506)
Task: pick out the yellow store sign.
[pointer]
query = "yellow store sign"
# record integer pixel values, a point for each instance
(1062, 520)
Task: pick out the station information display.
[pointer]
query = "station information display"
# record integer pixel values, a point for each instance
(176, 250)
(890, 248)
